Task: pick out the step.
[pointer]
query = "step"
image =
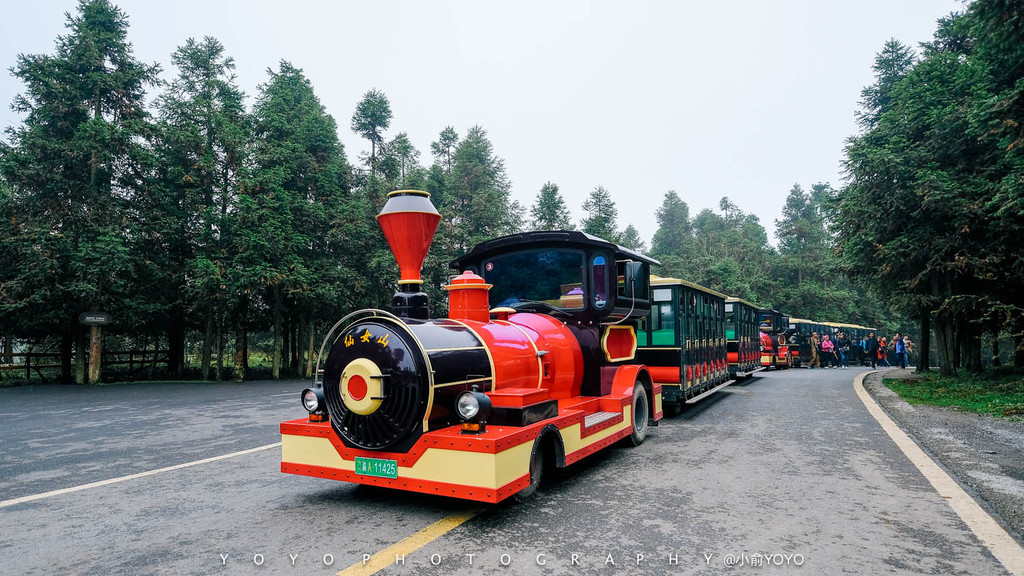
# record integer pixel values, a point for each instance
(696, 399)
(598, 417)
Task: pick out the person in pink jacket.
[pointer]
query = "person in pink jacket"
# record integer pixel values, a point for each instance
(828, 352)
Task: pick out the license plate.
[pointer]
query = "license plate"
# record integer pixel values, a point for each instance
(377, 467)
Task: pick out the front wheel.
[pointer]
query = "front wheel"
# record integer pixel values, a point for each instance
(639, 429)
(536, 473)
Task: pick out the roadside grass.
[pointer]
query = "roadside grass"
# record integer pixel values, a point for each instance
(993, 392)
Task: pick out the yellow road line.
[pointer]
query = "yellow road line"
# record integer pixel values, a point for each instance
(388, 556)
(991, 534)
(33, 497)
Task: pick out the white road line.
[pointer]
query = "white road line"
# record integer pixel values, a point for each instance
(34, 497)
(991, 534)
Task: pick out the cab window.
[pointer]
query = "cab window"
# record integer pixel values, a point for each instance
(600, 278)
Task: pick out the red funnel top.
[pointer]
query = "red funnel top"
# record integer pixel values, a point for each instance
(409, 221)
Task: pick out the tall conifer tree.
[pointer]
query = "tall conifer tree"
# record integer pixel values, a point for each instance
(74, 167)
(204, 134)
(289, 206)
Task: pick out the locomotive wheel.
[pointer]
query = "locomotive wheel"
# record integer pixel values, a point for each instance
(536, 473)
(639, 430)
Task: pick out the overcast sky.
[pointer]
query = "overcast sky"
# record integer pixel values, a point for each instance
(740, 99)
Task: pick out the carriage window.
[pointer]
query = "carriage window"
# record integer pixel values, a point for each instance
(663, 325)
(730, 321)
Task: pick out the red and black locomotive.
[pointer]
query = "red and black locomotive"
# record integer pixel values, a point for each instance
(534, 367)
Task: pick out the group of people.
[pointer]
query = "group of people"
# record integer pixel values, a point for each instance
(828, 353)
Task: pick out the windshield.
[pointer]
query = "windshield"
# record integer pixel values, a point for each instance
(554, 277)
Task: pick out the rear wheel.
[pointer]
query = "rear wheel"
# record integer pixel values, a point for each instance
(639, 430)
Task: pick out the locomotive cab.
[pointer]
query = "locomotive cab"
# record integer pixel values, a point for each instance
(597, 289)
(568, 274)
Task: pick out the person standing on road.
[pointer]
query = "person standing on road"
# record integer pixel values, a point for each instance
(871, 349)
(843, 350)
(828, 351)
(815, 346)
(900, 348)
(882, 353)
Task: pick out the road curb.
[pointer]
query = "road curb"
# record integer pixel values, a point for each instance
(998, 541)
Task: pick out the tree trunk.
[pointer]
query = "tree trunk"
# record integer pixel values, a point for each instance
(296, 331)
(8, 349)
(79, 355)
(286, 341)
(66, 339)
(925, 344)
(241, 354)
(275, 370)
(1018, 351)
(1018, 343)
(994, 343)
(309, 357)
(176, 342)
(970, 339)
(152, 364)
(241, 367)
(958, 342)
(95, 353)
(219, 338)
(945, 343)
(974, 363)
(297, 355)
(297, 344)
(204, 367)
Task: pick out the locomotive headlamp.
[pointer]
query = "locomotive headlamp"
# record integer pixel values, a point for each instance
(473, 407)
(313, 402)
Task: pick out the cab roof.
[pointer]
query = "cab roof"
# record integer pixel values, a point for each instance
(546, 239)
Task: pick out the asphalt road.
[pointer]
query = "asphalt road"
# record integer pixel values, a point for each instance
(789, 465)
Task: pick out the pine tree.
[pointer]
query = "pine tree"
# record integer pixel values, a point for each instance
(288, 208)
(444, 148)
(601, 215)
(204, 133)
(74, 167)
(631, 239)
(406, 158)
(549, 211)
(370, 119)
(479, 207)
(891, 64)
(673, 240)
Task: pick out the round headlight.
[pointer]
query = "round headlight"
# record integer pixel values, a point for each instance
(468, 405)
(310, 400)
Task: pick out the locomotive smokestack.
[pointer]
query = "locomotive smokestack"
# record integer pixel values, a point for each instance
(409, 221)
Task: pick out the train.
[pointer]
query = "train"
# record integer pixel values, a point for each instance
(801, 330)
(557, 344)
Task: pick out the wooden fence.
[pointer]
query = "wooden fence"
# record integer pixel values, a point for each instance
(26, 362)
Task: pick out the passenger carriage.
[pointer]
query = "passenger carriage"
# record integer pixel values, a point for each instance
(682, 342)
(742, 337)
